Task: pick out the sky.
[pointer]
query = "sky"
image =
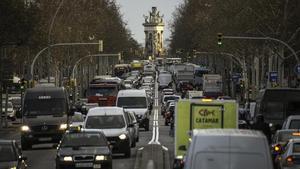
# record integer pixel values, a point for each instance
(133, 11)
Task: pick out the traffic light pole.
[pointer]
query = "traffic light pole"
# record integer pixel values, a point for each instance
(266, 38)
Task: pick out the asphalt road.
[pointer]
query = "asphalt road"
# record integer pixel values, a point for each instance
(43, 156)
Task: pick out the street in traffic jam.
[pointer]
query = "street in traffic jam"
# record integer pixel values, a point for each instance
(139, 84)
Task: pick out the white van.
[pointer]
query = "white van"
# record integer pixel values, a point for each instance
(137, 102)
(228, 149)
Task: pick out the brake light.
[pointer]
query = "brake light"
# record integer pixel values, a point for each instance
(289, 160)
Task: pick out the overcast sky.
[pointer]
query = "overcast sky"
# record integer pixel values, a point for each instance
(133, 11)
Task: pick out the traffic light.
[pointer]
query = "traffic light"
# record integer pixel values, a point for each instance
(220, 37)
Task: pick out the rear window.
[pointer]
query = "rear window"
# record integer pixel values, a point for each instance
(286, 136)
(295, 124)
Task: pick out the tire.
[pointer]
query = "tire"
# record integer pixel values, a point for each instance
(137, 139)
(25, 145)
(127, 153)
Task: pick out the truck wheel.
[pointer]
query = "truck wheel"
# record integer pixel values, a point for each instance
(128, 152)
(25, 145)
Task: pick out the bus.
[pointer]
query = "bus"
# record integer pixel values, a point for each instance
(121, 69)
(104, 90)
(173, 60)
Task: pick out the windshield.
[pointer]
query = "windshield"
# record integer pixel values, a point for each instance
(36, 107)
(7, 153)
(132, 102)
(296, 147)
(286, 136)
(295, 124)
(83, 140)
(102, 91)
(105, 122)
(171, 98)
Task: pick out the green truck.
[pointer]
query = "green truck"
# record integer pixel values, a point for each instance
(201, 114)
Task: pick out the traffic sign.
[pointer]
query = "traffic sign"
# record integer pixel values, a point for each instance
(273, 76)
(297, 69)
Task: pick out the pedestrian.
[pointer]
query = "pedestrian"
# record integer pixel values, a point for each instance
(262, 126)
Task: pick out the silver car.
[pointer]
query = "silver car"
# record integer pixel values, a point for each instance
(290, 156)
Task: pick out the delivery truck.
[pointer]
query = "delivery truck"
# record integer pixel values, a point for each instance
(201, 114)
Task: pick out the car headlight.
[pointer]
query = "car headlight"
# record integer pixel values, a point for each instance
(101, 158)
(13, 167)
(122, 136)
(68, 158)
(63, 127)
(25, 128)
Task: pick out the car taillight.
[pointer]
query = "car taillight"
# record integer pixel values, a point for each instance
(290, 160)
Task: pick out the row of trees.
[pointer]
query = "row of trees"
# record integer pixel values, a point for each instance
(196, 24)
(26, 23)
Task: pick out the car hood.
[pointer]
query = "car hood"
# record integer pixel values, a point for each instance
(84, 150)
(111, 132)
(137, 111)
(8, 164)
(44, 120)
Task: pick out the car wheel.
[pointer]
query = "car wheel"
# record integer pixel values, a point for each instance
(25, 145)
(128, 152)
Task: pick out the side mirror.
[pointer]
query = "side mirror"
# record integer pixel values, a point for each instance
(182, 148)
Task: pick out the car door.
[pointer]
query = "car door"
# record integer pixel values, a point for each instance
(130, 127)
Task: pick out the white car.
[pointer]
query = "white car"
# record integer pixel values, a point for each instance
(292, 122)
(11, 113)
(116, 126)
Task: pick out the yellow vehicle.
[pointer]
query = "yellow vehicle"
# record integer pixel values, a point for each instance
(201, 114)
(137, 65)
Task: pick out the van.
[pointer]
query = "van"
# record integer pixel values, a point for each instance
(45, 115)
(228, 149)
(277, 104)
(116, 126)
(137, 102)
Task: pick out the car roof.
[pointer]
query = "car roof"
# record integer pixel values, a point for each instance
(227, 132)
(102, 111)
(131, 93)
(294, 117)
(287, 131)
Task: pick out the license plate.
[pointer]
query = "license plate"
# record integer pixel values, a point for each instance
(45, 139)
(97, 166)
(79, 165)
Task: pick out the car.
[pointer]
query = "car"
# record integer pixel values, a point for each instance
(113, 122)
(77, 119)
(11, 156)
(281, 138)
(165, 106)
(128, 84)
(83, 149)
(168, 91)
(289, 157)
(165, 80)
(170, 97)
(134, 121)
(16, 101)
(169, 113)
(228, 148)
(292, 122)
(87, 106)
(136, 101)
(11, 112)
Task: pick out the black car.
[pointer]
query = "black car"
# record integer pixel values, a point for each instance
(83, 149)
(11, 155)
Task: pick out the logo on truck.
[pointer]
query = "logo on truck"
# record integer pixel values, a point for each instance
(206, 117)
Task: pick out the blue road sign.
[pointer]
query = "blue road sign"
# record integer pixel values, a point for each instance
(273, 76)
(297, 69)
